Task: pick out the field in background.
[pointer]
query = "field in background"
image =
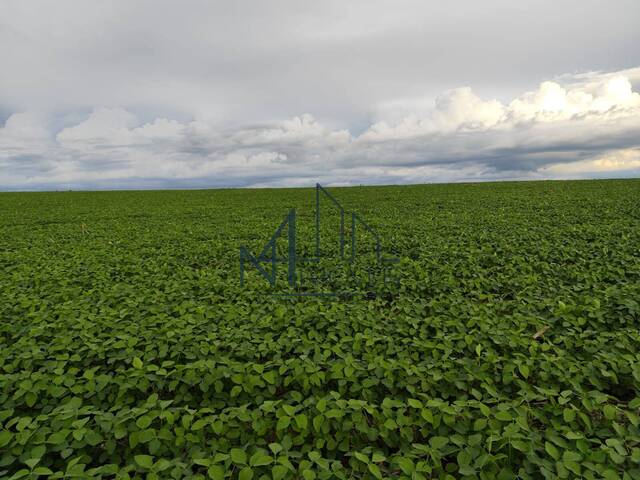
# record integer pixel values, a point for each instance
(128, 346)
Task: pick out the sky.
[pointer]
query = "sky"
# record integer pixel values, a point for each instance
(202, 94)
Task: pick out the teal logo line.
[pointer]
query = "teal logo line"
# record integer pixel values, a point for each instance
(266, 262)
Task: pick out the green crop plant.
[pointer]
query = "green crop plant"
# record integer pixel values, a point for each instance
(509, 349)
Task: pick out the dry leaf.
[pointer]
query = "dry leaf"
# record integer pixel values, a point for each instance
(541, 332)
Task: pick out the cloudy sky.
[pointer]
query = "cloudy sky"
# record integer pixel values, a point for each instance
(191, 94)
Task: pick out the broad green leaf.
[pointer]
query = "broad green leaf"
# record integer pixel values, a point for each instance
(438, 442)
(145, 461)
(552, 450)
(569, 415)
(283, 423)
(609, 412)
(308, 474)
(301, 421)
(479, 424)
(610, 475)
(334, 413)
(238, 456)
(199, 424)
(275, 448)
(245, 474)
(20, 474)
(504, 416)
(406, 465)
(378, 457)
(5, 437)
(31, 462)
(278, 472)
(375, 470)
(361, 456)
(467, 470)
(143, 422)
(259, 458)
(216, 472)
(520, 445)
(42, 471)
(161, 465)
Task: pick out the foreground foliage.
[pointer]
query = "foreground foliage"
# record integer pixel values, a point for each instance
(127, 347)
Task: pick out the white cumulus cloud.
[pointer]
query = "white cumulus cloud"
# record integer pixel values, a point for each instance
(571, 126)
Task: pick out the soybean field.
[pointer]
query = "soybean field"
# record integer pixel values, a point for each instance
(508, 348)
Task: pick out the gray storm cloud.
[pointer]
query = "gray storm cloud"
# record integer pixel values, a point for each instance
(160, 94)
